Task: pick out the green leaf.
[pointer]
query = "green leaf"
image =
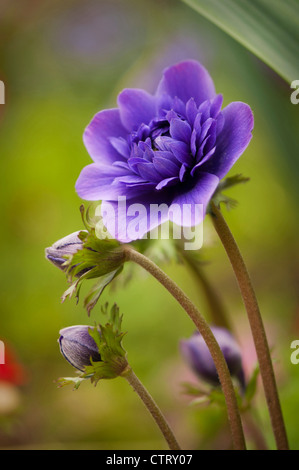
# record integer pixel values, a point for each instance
(267, 28)
(209, 396)
(96, 291)
(108, 339)
(252, 385)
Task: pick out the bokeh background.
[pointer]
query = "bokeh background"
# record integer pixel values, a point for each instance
(61, 62)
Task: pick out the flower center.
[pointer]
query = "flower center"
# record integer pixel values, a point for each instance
(174, 145)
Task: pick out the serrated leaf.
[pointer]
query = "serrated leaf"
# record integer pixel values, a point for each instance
(108, 339)
(111, 342)
(268, 28)
(70, 291)
(75, 381)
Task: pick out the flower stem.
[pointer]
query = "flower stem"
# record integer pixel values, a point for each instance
(152, 407)
(256, 324)
(204, 329)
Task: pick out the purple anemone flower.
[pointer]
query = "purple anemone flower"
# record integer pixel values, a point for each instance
(197, 355)
(171, 148)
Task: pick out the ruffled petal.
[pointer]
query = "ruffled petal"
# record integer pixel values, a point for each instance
(136, 107)
(96, 182)
(180, 130)
(189, 207)
(97, 136)
(188, 79)
(232, 140)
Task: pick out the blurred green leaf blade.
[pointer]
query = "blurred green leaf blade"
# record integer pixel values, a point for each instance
(268, 28)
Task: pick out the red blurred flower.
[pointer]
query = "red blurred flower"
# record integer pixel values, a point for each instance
(12, 371)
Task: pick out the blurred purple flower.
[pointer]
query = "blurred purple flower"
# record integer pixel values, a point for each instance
(197, 355)
(78, 347)
(169, 148)
(96, 33)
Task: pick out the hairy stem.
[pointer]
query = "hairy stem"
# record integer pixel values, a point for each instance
(152, 407)
(256, 324)
(204, 329)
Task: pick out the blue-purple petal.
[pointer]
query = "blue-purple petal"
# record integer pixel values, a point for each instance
(189, 207)
(191, 111)
(166, 167)
(148, 172)
(233, 139)
(96, 137)
(121, 146)
(136, 107)
(180, 130)
(186, 80)
(95, 182)
(167, 182)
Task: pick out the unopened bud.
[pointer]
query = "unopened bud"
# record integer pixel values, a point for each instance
(78, 347)
(199, 358)
(68, 245)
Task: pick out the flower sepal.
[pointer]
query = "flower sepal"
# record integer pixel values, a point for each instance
(75, 381)
(100, 257)
(100, 254)
(204, 394)
(210, 395)
(219, 197)
(108, 341)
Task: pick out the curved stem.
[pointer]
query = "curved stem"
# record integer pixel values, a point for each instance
(204, 329)
(256, 324)
(152, 407)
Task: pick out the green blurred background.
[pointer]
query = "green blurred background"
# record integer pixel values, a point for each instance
(61, 62)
